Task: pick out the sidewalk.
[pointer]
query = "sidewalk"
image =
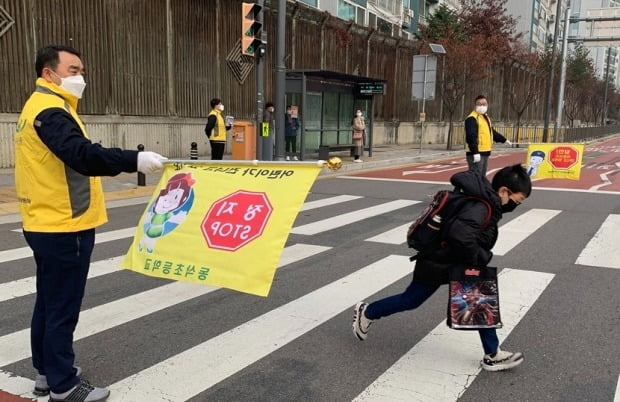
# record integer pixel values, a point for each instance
(125, 185)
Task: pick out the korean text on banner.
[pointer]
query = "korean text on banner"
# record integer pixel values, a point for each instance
(554, 161)
(220, 225)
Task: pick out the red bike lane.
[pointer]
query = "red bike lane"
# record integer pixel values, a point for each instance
(600, 170)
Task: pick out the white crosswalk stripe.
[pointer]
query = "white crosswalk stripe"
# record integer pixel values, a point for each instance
(350, 217)
(603, 250)
(445, 362)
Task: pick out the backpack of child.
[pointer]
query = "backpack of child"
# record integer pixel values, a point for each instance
(426, 233)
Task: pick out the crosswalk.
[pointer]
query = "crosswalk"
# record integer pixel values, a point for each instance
(313, 289)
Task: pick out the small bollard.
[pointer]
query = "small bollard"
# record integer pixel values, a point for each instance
(141, 176)
(193, 151)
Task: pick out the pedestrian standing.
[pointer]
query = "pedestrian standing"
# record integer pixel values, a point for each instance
(61, 203)
(468, 243)
(291, 125)
(479, 136)
(358, 124)
(216, 129)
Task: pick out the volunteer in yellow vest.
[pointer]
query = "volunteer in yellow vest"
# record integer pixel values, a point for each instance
(61, 204)
(216, 129)
(480, 136)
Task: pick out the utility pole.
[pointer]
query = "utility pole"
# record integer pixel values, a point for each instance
(604, 112)
(558, 121)
(548, 99)
(280, 80)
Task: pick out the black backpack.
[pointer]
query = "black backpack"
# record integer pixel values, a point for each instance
(426, 233)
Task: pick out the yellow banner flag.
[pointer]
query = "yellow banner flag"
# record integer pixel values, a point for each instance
(217, 224)
(554, 161)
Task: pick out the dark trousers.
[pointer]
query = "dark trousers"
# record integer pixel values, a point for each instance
(412, 298)
(480, 167)
(290, 143)
(217, 150)
(62, 261)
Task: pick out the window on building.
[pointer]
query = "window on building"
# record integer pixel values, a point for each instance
(350, 12)
(372, 20)
(313, 3)
(346, 11)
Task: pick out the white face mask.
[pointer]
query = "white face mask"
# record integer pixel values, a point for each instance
(221, 107)
(73, 84)
(359, 114)
(481, 109)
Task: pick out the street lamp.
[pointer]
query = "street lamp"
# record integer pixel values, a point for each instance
(424, 79)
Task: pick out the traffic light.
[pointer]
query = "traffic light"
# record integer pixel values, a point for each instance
(250, 28)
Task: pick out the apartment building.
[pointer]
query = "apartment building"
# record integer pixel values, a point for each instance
(605, 54)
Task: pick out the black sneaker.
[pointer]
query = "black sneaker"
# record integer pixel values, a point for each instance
(503, 360)
(83, 392)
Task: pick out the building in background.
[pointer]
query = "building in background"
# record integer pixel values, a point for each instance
(606, 54)
(537, 20)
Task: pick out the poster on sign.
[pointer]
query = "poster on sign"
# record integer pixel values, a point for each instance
(222, 225)
(554, 161)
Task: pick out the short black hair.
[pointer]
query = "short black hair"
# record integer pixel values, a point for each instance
(214, 102)
(515, 178)
(480, 97)
(269, 104)
(48, 57)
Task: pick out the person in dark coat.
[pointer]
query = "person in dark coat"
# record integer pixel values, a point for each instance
(469, 243)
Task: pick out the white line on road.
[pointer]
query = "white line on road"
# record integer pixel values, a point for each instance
(605, 181)
(16, 346)
(328, 201)
(602, 250)
(445, 362)
(617, 397)
(27, 286)
(518, 229)
(397, 235)
(199, 368)
(25, 252)
(351, 217)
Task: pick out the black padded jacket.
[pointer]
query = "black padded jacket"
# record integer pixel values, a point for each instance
(469, 241)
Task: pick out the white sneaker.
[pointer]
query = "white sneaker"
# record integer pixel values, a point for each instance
(503, 360)
(288, 158)
(83, 392)
(358, 160)
(295, 158)
(41, 388)
(360, 322)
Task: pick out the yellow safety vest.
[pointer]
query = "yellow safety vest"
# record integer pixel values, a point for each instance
(52, 196)
(485, 135)
(219, 131)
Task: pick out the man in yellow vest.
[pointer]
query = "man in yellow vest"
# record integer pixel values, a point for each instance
(479, 137)
(216, 129)
(61, 203)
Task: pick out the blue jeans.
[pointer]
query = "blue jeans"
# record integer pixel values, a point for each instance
(413, 297)
(62, 262)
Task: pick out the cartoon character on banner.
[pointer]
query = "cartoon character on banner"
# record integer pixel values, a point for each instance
(536, 159)
(169, 209)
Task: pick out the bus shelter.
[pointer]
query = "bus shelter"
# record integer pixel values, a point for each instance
(324, 102)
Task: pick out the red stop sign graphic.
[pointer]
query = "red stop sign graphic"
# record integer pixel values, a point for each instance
(235, 220)
(563, 157)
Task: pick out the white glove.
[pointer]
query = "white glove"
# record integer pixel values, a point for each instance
(476, 158)
(150, 162)
(508, 143)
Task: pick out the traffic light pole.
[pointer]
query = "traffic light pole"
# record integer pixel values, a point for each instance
(261, 153)
(280, 80)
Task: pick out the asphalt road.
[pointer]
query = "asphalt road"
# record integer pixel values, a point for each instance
(558, 289)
